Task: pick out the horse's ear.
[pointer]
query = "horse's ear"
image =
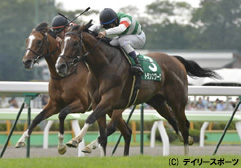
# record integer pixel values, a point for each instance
(88, 24)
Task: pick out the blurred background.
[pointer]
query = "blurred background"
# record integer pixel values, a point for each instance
(207, 31)
(212, 25)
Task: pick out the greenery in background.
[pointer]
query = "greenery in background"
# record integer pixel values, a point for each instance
(215, 25)
(16, 21)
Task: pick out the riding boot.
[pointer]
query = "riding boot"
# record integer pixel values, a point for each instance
(137, 69)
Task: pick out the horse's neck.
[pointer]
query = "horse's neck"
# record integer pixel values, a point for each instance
(99, 54)
(51, 59)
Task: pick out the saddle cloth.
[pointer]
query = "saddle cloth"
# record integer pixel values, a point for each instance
(152, 70)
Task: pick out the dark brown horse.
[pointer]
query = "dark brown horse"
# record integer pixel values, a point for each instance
(110, 81)
(68, 94)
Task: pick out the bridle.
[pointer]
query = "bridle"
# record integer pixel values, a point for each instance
(75, 59)
(40, 54)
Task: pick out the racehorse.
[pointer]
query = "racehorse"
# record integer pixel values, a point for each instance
(110, 81)
(68, 94)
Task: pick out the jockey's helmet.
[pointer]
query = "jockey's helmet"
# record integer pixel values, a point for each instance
(107, 16)
(58, 22)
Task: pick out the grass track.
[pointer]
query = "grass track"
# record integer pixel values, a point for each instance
(120, 162)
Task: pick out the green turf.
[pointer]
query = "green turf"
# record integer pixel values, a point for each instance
(124, 162)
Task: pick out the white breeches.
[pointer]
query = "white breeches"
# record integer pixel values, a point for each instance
(130, 42)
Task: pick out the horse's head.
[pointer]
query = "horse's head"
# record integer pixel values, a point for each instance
(37, 45)
(72, 48)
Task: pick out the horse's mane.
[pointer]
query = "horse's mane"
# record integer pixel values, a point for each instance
(41, 27)
(84, 27)
(75, 27)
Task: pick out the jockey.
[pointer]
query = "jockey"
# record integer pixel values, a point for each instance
(129, 33)
(57, 24)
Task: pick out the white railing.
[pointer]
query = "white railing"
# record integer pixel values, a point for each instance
(42, 87)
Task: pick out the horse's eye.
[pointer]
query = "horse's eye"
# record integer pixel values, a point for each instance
(76, 43)
(39, 42)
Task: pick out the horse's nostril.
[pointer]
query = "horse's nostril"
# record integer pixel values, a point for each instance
(61, 69)
(62, 66)
(27, 62)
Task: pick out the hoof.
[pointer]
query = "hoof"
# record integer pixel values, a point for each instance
(190, 140)
(19, 144)
(62, 149)
(94, 147)
(72, 144)
(86, 150)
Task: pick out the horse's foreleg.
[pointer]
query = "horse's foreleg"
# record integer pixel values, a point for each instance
(21, 141)
(99, 140)
(99, 113)
(61, 146)
(111, 128)
(102, 139)
(48, 111)
(117, 121)
(73, 143)
(76, 140)
(27, 133)
(72, 108)
(126, 132)
(93, 145)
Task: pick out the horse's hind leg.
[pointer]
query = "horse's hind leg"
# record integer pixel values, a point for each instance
(190, 139)
(178, 109)
(171, 115)
(164, 110)
(184, 127)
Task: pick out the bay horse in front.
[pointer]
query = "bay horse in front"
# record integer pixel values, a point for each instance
(111, 81)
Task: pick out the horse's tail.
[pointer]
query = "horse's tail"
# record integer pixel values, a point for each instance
(194, 70)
